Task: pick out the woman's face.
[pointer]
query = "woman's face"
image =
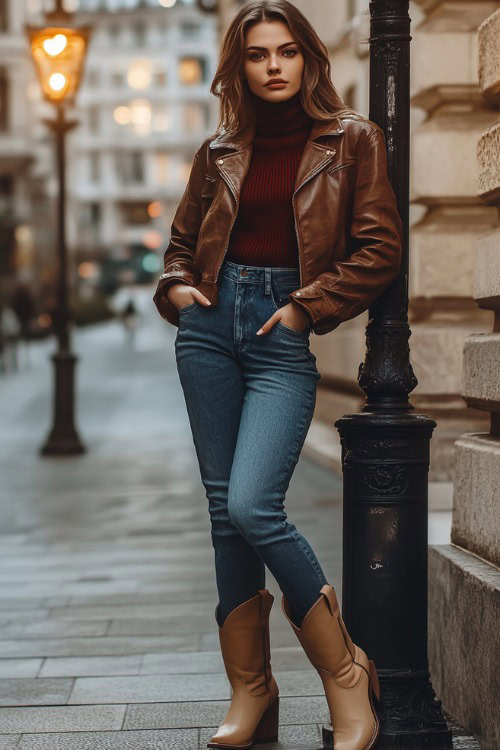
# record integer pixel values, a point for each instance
(271, 52)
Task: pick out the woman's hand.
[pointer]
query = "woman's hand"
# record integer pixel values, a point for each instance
(291, 315)
(182, 295)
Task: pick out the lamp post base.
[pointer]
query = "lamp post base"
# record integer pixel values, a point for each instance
(63, 439)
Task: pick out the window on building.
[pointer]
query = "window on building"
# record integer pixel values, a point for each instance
(95, 214)
(4, 18)
(114, 31)
(130, 167)
(4, 100)
(192, 70)
(139, 33)
(193, 119)
(118, 79)
(95, 167)
(93, 77)
(161, 167)
(190, 30)
(160, 78)
(135, 212)
(94, 117)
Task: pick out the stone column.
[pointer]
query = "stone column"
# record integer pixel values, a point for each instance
(464, 577)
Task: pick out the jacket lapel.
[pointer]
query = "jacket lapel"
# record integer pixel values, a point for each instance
(233, 165)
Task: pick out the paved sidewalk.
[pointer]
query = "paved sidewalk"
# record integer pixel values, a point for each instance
(107, 589)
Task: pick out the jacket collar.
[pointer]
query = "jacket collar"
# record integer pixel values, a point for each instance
(245, 137)
(316, 155)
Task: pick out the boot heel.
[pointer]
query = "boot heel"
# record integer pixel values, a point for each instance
(374, 679)
(267, 730)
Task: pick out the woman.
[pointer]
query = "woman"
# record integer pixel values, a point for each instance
(288, 224)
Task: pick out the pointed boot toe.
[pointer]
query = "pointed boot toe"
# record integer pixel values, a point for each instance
(349, 677)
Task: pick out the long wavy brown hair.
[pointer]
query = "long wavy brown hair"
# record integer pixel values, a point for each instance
(319, 96)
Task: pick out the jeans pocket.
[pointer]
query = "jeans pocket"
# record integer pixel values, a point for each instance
(186, 308)
(280, 296)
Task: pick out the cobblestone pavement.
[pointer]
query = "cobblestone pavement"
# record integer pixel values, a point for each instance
(107, 589)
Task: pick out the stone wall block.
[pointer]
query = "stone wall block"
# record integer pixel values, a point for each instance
(464, 648)
(489, 56)
(476, 499)
(481, 371)
(488, 154)
(486, 284)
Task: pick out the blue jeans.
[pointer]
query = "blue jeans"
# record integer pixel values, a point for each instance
(250, 400)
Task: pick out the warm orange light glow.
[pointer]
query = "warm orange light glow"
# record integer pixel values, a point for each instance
(44, 320)
(58, 82)
(189, 71)
(152, 239)
(55, 45)
(122, 115)
(155, 209)
(87, 270)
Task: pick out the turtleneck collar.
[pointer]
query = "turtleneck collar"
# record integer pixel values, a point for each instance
(277, 118)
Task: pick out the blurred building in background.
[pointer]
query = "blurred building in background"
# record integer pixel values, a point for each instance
(26, 232)
(144, 109)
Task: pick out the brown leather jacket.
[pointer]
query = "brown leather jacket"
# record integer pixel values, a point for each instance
(349, 231)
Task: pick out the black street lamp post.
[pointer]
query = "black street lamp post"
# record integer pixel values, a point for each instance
(385, 454)
(58, 51)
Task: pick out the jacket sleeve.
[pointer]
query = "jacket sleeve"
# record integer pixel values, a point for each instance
(178, 257)
(375, 246)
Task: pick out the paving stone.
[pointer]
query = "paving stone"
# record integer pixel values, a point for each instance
(61, 718)
(20, 667)
(26, 613)
(27, 692)
(106, 646)
(9, 741)
(91, 666)
(299, 710)
(62, 629)
(167, 739)
(157, 626)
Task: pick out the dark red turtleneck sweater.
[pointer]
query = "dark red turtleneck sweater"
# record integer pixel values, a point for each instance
(264, 231)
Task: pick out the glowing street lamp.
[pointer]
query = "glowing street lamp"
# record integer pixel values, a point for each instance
(58, 50)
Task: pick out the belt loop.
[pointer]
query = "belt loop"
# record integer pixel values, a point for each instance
(267, 276)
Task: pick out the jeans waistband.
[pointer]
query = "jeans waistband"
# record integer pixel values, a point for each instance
(242, 272)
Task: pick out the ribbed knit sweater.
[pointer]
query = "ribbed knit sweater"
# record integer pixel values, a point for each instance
(264, 231)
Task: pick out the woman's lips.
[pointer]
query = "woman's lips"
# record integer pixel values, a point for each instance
(275, 85)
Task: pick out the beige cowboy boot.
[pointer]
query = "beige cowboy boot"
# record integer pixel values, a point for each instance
(253, 715)
(347, 674)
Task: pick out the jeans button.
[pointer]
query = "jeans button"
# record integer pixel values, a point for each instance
(243, 272)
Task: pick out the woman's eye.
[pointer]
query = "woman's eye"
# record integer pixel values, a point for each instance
(255, 55)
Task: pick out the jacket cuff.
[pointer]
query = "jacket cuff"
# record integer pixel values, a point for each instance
(313, 302)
